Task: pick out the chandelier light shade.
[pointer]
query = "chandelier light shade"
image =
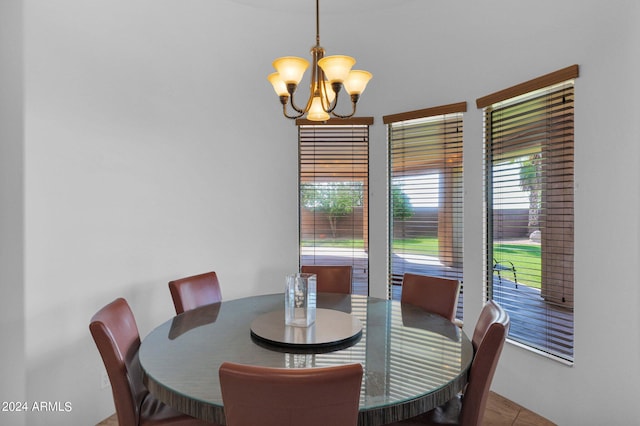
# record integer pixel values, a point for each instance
(291, 69)
(328, 75)
(337, 67)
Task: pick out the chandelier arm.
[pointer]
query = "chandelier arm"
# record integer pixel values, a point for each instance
(293, 117)
(332, 106)
(353, 111)
(336, 89)
(295, 107)
(284, 99)
(322, 93)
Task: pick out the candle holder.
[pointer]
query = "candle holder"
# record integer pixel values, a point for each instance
(300, 300)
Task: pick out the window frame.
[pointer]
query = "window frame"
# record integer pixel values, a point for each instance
(334, 134)
(554, 326)
(437, 147)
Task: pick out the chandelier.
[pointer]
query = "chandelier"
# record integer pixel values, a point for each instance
(328, 75)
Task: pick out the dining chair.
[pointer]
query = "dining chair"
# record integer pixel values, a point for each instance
(195, 291)
(433, 294)
(467, 409)
(331, 278)
(116, 335)
(255, 395)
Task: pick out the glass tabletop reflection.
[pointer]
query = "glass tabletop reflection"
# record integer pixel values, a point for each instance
(413, 361)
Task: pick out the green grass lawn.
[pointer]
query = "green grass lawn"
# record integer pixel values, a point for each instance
(525, 257)
(331, 242)
(427, 246)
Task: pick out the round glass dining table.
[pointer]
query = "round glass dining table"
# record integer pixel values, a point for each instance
(413, 361)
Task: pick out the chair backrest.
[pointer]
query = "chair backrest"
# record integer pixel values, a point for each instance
(433, 294)
(116, 335)
(331, 278)
(254, 395)
(195, 291)
(488, 340)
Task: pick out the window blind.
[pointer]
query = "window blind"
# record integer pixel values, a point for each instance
(426, 194)
(334, 196)
(529, 164)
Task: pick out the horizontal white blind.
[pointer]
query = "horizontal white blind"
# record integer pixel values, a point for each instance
(334, 188)
(530, 240)
(426, 197)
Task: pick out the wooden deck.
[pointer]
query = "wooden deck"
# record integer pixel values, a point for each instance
(547, 327)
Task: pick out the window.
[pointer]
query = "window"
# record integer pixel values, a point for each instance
(425, 194)
(334, 195)
(529, 216)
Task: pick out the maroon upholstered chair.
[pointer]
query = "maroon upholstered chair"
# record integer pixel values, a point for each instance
(115, 333)
(433, 294)
(195, 291)
(331, 278)
(254, 395)
(468, 409)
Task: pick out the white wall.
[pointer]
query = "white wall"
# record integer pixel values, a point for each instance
(12, 367)
(142, 166)
(153, 148)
